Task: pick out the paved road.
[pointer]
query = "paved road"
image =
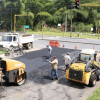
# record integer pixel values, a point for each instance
(71, 42)
(39, 86)
(68, 42)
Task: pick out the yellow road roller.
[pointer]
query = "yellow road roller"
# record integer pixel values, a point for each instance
(13, 71)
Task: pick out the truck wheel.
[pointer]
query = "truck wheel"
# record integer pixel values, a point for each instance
(29, 46)
(92, 81)
(20, 79)
(98, 74)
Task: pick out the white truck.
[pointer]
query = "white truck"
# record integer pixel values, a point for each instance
(12, 40)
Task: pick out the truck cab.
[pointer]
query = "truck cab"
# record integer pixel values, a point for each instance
(9, 40)
(12, 40)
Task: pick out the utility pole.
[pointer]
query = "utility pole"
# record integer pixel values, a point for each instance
(71, 25)
(66, 24)
(15, 23)
(11, 19)
(11, 10)
(96, 26)
(42, 29)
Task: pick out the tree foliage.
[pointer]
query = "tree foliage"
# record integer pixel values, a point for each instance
(51, 12)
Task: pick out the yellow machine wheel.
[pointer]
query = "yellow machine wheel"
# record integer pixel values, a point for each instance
(20, 79)
(98, 74)
(93, 79)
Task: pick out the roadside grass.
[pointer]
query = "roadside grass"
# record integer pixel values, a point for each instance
(65, 34)
(60, 32)
(95, 95)
(2, 52)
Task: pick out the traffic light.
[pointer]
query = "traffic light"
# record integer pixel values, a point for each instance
(77, 4)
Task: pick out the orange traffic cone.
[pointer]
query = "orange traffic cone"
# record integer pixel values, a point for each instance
(75, 46)
(63, 45)
(93, 47)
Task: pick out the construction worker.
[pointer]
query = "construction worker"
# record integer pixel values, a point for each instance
(49, 50)
(54, 64)
(21, 48)
(67, 60)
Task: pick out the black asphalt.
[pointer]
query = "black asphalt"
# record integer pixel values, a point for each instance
(38, 68)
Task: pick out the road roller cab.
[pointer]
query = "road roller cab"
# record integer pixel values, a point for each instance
(13, 71)
(85, 68)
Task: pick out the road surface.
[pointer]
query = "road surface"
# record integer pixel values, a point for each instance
(71, 42)
(39, 86)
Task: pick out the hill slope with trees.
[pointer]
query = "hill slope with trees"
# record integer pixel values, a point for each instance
(51, 12)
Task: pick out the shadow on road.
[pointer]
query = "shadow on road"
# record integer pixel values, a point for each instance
(9, 84)
(66, 82)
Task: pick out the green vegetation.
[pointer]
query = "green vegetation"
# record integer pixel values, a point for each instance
(49, 13)
(66, 34)
(95, 95)
(2, 52)
(59, 32)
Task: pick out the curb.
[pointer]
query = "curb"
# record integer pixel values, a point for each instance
(71, 41)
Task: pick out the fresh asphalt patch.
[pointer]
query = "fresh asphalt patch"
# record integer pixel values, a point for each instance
(39, 86)
(39, 69)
